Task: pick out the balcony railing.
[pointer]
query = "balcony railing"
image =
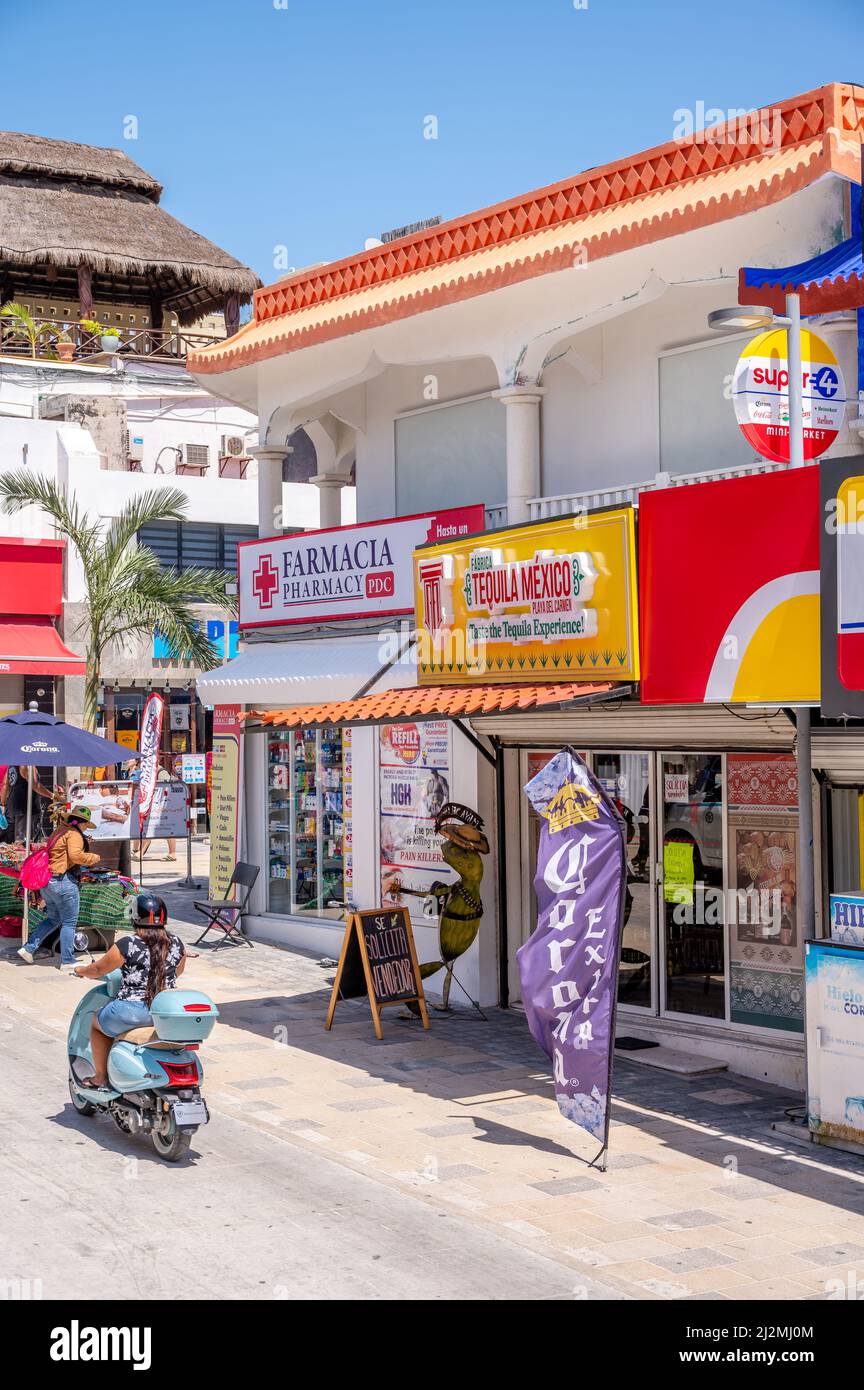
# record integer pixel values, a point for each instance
(541, 508)
(166, 345)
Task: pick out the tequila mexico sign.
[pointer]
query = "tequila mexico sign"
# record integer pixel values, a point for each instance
(551, 600)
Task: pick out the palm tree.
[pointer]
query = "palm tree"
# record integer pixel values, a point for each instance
(129, 594)
(23, 325)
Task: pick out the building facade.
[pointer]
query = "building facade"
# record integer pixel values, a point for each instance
(549, 356)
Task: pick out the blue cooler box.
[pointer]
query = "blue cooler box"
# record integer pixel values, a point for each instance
(183, 1015)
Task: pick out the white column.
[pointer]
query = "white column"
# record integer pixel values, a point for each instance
(329, 487)
(523, 448)
(269, 488)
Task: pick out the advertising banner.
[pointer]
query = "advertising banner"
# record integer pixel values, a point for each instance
(151, 739)
(414, 782)
(760, 393)
(842, 588)
(569, 965)
(743, 626)
(766, 968)
(835, 1041)
(225, 797)
(531, 603)
(357, 571)
(114, 808)
(193, 767)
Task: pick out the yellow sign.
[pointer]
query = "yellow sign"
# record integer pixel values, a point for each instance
(128, 738)
(551, 601)
(679, 872)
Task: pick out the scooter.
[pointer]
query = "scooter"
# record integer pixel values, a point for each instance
(154, 1075)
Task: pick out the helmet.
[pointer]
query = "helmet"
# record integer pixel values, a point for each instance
(149, 910)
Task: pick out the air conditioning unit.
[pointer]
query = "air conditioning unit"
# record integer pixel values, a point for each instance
(233, 446)
(196, 456)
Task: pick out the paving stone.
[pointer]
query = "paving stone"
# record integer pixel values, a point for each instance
(564, 1187)
(353, 1105)
(684, 1220)
(831, 1254)
(684, 1260)
(723, 1095)
(620, 1161)
(260, 1083)
(520, 1107)
(301, 1124)
(453, 1171)
(446, 1131)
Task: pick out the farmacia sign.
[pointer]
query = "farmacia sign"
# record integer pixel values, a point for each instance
(351, 572)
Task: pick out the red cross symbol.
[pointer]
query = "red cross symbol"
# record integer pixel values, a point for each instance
(265, 581)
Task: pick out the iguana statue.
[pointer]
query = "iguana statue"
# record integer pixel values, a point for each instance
(459, 903)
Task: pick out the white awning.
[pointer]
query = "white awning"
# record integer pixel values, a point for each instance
(306, 671)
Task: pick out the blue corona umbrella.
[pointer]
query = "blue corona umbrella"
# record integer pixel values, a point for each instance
(33, 739)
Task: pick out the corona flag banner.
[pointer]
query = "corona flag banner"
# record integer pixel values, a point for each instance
(151, 740)
(569, 965)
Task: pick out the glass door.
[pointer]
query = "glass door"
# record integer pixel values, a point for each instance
(626, 777)
(691, 883)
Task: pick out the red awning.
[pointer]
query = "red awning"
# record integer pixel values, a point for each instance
(35, 649)
(432, 702)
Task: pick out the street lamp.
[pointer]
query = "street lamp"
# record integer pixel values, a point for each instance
(755, 316)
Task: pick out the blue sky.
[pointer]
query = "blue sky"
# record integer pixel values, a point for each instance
(300, 123)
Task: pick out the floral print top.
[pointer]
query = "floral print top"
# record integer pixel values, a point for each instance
(136, 965)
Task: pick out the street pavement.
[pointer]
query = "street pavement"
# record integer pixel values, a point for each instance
(428, 1165)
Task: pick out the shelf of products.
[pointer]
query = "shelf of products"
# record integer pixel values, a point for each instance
(305, 822)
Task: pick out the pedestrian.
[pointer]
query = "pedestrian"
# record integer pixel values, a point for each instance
(16, 802)
(68, 850)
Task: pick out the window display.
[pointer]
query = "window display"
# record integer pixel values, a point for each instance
(306, 823)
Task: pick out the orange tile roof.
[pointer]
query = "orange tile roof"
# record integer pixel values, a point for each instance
(429, 702)
(658, 193)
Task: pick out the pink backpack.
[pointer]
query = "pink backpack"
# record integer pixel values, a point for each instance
(36, 869)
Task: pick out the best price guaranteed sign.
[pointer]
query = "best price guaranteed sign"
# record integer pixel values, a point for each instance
(351, 572)
(760, 392)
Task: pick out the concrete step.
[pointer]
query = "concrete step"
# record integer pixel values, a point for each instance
(670, 1059)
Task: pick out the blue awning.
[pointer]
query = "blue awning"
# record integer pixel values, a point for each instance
(832, 280)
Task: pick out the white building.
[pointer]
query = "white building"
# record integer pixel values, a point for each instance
(543, 356)
(106, 433)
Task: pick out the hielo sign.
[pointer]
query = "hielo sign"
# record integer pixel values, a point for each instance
(350, 572)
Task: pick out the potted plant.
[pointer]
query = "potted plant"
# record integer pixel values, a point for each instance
(63, 342)
(110, 339)
(91, 333)
(23, 325)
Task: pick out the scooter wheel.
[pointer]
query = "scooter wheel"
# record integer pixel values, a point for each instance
(81, 1105)
(173, 1146)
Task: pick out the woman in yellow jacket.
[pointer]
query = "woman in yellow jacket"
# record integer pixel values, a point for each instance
(67, 852)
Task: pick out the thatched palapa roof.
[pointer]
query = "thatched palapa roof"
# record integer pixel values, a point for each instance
(62, 204)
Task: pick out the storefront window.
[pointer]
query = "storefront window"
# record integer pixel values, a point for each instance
(307, 829)
(692, 886)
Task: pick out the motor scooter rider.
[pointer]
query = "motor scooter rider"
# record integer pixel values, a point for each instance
(150, 960)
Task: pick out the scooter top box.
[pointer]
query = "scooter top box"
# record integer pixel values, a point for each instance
(183, 1015)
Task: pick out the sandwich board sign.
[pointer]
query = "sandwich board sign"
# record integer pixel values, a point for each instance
(379, 959)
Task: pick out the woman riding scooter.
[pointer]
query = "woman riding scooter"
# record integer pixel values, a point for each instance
(150, 961)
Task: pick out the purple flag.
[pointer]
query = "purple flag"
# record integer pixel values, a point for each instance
(569, 965)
